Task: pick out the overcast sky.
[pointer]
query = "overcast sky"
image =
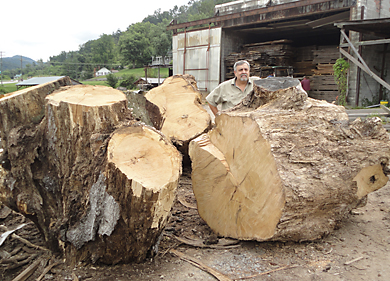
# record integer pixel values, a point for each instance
(42, 28)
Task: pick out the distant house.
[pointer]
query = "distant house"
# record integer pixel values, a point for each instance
(103, 71)
(150, 83)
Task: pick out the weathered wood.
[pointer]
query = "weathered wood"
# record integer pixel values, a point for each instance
(282, 166)
(98, 185)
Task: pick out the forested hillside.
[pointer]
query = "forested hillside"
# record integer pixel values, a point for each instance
(15, 62)
(133, 47)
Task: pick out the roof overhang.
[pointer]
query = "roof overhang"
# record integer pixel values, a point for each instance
(378, 27)
(271, 13)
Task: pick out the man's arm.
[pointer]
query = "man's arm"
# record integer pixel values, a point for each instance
(214, 109)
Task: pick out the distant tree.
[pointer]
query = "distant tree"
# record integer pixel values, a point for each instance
(102, 50)
(158, 17)
(127, 81)
(112, 80)
(134, 45)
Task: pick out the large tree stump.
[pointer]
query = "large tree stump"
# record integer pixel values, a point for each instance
(183, 117)
(98, 185)
(282, 166)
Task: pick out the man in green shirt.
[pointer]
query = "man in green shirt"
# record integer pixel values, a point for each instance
(231, 92)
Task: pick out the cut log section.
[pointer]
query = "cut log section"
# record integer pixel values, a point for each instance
(98, 185)
(179, 102)
(282, 166)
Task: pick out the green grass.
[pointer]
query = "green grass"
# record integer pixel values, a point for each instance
(9, 88)
(94, 83)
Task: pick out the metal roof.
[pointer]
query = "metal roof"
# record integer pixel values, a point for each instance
(42, 80)
(38, 80)
(150, 80)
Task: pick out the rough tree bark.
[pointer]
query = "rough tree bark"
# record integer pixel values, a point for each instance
(143, 110)
(179, 102)
(98, 185)
(282, 166)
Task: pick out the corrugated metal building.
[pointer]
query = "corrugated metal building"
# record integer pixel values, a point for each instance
(273, 34)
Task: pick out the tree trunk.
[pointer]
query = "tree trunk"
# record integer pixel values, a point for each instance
(143, 110)
(184, 118)
(98, 185)
(282, 166)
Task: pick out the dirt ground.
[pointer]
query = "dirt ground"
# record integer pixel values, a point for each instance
(358, 250)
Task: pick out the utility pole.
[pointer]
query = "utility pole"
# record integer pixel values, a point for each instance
(21, 68)
(1, 67)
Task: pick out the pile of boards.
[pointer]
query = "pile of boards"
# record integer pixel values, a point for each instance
(278, 57)
(261, 57)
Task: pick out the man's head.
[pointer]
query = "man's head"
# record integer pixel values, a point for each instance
(241, 70)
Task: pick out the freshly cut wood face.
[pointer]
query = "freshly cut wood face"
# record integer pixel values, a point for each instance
(88, 95)
(144, 156)
(180, 105)
(369, 179)
(239, 190)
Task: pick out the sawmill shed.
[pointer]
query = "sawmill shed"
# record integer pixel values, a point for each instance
(287, 38)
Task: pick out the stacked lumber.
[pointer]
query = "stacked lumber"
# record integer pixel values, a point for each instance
(326, 54)
(305, 53)
(303, 63)
(261, 56)
(324, 58)
(323, 68)
(323, 87)
(313, 61)
(303, 68)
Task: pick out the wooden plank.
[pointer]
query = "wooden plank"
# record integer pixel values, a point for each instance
(368, 42)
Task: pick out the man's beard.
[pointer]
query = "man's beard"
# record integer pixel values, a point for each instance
(244, 77)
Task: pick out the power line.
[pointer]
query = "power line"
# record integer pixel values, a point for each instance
(83, 63)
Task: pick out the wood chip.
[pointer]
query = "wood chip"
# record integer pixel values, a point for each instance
(74, 276)
(182, 201)
(351, 261)
(222, 243)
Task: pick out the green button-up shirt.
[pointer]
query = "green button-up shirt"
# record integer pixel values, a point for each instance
(228, 94)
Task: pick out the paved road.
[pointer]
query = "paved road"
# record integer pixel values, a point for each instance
(9, 82)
